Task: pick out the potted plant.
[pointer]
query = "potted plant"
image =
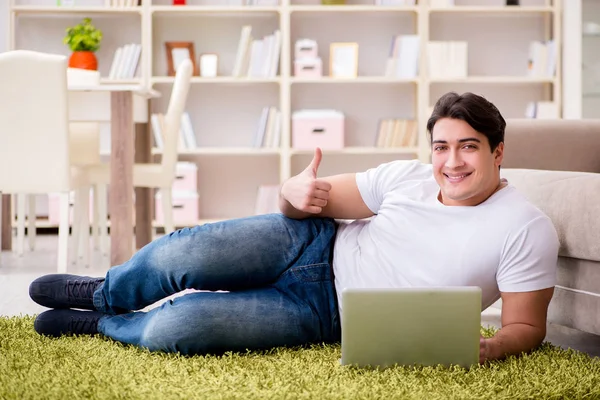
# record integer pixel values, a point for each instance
(83, 39)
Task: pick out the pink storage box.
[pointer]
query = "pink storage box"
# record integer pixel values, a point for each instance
(308, 68)
(185, 208)
(54, 207)
(306, 48)
(186, 177)
(317, 128)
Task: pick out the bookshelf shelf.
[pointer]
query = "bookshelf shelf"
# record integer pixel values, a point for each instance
(75, 10)
(219, 79)
(496, 80)
(358, 80)
(191, 10)
(247, 151)
(361, 151)
(493, 10)
(352, 9)
(225, 111)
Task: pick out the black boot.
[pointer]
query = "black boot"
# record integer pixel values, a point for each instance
(64, 291)
(65, 322)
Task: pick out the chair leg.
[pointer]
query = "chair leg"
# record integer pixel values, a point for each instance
(103, 218)
(20, 223)
(76, 228)
(96, 219)
(167, 203)
(85, 226)
(31, 218)
(63, 232)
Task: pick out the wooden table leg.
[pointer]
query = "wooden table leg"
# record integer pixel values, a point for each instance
(143, 196)
(121, 177)
(6, 223)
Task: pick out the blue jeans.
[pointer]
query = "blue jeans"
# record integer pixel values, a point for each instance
(275, 271)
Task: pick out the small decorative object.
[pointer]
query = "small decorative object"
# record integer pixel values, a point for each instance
(343, 60)
(333, 2)
(83, 40)
(179, 2)
(176, 53)
(512, 2)
(209, 65)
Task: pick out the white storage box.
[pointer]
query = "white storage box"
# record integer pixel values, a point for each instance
(318, 128)
(186, 177)
(306, 48)
(185, 208)
(308, 68)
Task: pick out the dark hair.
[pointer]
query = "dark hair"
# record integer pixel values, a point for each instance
(476, 111)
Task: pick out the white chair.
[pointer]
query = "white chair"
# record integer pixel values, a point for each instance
(34, 139)
(159, 176)
(84, 150)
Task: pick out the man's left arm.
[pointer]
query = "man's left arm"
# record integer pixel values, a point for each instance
(523, 324)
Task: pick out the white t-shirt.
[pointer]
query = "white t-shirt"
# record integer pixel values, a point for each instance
(503, 244)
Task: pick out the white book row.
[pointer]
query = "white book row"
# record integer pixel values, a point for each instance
(397, 133)
(447, 59)
(403, 61)
(395, 2)
(542, 58)
(121, 3)
(267, 200)
(441, 3)
(187, 137)
(542, 110)
(268, 133)
(257, 57)
(125, 61)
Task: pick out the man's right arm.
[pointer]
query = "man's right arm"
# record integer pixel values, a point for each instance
(337, 196)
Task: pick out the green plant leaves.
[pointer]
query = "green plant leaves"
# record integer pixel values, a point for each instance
(83, 37)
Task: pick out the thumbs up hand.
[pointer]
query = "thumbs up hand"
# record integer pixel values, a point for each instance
(305, 192)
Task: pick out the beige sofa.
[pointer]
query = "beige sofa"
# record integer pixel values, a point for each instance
(556, 164)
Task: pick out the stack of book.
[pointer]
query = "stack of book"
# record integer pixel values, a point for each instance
(267, 200)
(187, 137)
(542, 59)
(447, 59)
(403, 60)
(125, 62)
(268, 133)
(258, 58)
(397, 133)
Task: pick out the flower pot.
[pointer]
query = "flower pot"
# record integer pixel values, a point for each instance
(83, 60)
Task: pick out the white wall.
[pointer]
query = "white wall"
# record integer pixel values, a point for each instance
(3, 25)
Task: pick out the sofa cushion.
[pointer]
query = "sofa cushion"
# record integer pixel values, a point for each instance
(571, 200)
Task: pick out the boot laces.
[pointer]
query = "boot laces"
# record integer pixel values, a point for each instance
(81, 289)
(78, 325)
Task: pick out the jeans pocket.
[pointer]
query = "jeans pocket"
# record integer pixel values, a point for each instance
(312, 289)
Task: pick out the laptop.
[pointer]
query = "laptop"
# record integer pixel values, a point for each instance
(411, 326)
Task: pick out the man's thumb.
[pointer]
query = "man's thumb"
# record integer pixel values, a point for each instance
(316, 161)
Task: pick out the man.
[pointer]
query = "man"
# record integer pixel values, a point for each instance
(450, 223)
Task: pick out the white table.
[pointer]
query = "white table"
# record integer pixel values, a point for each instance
(121, 164)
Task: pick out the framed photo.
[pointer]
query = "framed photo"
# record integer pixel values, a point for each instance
(343, 60)
(176, 53)
(209, 65)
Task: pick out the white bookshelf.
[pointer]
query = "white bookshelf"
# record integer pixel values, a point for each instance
(225, 110)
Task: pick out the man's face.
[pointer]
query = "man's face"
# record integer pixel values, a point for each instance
(464, 166)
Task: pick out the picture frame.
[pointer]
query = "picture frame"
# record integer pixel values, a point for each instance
(177, 52)
(343, 60)
(209, 65)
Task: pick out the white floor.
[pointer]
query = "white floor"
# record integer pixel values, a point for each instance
(16, 273)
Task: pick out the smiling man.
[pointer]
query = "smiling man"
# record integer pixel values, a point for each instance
(453, 222)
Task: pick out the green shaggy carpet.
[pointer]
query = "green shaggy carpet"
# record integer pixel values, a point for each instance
(36, 367)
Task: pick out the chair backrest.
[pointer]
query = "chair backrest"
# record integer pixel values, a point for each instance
(172, 122)
(84, 137)
(34, 140)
